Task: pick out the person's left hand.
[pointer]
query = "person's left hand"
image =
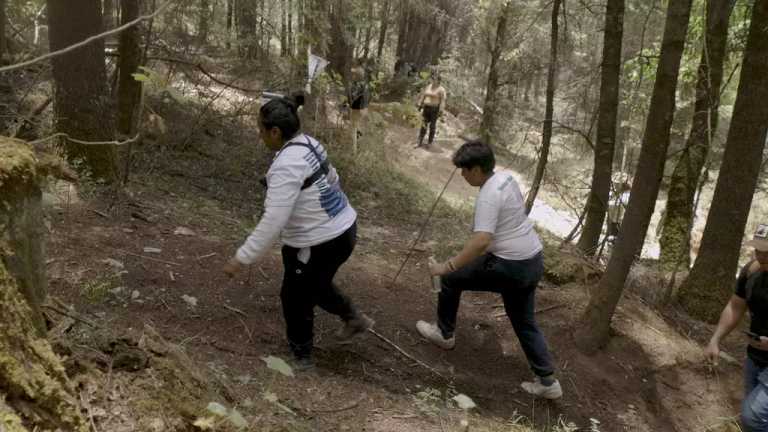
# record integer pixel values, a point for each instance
(437, 269)
(232, 267)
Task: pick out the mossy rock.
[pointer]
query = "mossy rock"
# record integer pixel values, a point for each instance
(566, 265)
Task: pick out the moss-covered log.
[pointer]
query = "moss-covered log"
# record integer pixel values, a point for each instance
(35, 389)
(21, 223)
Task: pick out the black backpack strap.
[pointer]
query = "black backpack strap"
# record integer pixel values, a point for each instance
(322, 169)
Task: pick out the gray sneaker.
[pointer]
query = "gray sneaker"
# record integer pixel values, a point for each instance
(536, 388)
(354, 327)
(432, 333)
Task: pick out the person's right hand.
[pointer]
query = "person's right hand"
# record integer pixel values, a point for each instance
(712, 352)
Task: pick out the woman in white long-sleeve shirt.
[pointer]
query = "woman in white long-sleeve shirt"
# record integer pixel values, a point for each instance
(306, 206)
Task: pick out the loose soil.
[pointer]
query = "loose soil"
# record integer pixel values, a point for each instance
(650, 377)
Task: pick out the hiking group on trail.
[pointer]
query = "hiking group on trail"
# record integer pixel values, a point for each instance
(307, 208)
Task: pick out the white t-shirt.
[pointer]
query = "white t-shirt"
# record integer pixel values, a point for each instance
(304, 217)
(500, 211)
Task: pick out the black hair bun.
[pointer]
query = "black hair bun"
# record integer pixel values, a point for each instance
(297, 99)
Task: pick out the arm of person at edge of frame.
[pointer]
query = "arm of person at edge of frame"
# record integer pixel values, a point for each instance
(473, 248)
(729, 319)
(276, 214)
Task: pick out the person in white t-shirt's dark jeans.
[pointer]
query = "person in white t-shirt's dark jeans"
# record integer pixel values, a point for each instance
(504, 255)
(307, 208)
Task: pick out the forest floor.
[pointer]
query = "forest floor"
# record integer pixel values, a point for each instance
(151, 265)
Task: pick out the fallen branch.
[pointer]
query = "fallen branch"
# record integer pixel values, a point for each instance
(401, 351)
(72, 315)
(537, 311)
(147, 258)
(235, 310)
(343, 408)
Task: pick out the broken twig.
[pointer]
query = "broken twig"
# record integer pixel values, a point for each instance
(401, 351)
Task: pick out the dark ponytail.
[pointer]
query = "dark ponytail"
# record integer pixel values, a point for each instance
(282, 113)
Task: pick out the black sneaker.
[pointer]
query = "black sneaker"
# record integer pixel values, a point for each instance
(303, 364)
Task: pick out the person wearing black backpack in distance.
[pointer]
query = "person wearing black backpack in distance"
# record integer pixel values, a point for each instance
(306, 206)
(751, 294)
(359, 97)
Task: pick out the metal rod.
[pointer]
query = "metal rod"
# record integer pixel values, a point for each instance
(423, 226)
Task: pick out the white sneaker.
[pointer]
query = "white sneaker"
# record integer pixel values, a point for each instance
(536, 388)
(433, 334)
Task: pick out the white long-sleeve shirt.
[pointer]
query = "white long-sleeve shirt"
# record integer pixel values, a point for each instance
(306, 217)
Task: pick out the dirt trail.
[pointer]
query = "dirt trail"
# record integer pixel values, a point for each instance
(647, 379)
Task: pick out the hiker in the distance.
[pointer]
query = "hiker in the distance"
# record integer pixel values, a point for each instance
(503, 255)
(306, 207)
(359, 97)
(431, 104)
(752, 295)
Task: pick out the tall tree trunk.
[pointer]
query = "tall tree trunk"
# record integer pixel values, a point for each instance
(678, 220)
(129, 90)
(2, 30)
(35, 385)
(488, 122)
(83, 107)
(712, 276)
(203, 21)
(368, 31)
(606, 127)
(108, 14)
(383, 26)
(230, 13)
(283, 29)
(594, 331)
(546, 137)
(263, 35)
(289, 21)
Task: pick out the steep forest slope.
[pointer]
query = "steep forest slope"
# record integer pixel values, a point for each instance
(143, 270)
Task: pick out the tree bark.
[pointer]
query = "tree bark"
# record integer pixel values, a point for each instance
(83, 107)
(595, 329)
(35, 386)
(283, 30)
(108, 14)
(678, 220)
(597, 203)
(289, 21)
(488, 122)
(368, 31)
(128, 89)
(2, 30)
(711, 279)
(546, 137)
(383, 27)
(203, 21)
(230, 13)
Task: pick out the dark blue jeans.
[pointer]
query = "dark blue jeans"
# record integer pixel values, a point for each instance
(754, 408)
(516, 281)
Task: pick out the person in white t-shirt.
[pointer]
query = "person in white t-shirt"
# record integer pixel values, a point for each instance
(504, 255)
(307, 208)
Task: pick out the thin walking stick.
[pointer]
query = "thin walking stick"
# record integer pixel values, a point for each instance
(423, 226)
